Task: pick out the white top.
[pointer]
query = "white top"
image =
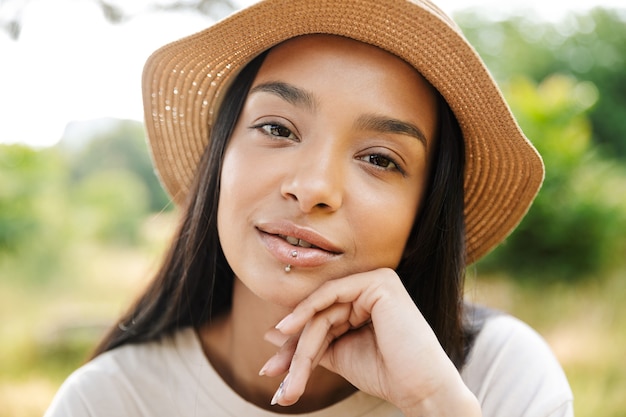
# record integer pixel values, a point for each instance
(511, 370)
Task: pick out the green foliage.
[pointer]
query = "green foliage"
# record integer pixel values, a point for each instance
(606, 49)
(110, 206)
(113, 185)
(56, 197)
(18, 218)
(573, 229)
(26, 176)
(32, 208)
(590, 47)
(115, 145)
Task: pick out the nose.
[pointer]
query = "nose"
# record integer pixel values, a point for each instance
(315, 181)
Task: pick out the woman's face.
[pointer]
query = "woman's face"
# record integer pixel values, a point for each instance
(326, 166)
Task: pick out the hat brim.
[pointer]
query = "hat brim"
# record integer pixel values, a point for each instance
(183, 83)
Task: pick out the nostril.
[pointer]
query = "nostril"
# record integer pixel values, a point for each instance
(322, 205)
(290, 196)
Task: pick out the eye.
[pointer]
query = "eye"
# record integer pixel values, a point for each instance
(276, 130)
(381, 161)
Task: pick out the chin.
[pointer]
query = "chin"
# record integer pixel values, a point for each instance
(279, 288)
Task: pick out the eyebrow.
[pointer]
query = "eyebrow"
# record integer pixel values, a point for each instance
(388, 125)
(287, 92)
(378, 123)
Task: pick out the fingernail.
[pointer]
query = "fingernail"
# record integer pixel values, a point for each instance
(280, 391)
(284, 321)
(266, 366)
(262, 371)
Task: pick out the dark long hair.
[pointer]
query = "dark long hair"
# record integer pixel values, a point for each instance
(195, 282)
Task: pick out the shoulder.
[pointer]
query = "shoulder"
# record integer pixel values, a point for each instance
(512, 371)
(121, 381)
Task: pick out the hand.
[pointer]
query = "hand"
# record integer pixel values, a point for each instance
(366, 328)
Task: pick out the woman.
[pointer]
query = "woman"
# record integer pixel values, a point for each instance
(338, 164)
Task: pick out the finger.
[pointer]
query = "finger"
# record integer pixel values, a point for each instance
(275, 337)
(338, 358)
(279, 363)
(362, 290)
(312, 344)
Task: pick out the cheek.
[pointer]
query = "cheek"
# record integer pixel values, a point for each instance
(238, 179)
(230, 170)
(385, 227)
(231, 211)
(243, 187)
(229, 200)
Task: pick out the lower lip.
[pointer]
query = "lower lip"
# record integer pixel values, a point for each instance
(283, 252)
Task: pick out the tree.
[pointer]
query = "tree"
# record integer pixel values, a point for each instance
(33, 212)
(591, 47)
(113, 145)
(574, 228)
(109, 206)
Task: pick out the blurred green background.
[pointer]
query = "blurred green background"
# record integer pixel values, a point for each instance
(83, 223)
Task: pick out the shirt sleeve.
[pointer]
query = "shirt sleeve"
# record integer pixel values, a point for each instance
(78, 396)
(513, 372)
(97, 389)
(68, 401)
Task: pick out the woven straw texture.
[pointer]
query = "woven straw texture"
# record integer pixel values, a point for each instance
(183, 83)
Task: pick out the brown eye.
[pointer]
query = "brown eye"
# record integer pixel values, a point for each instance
(380, 161)
(277, 130)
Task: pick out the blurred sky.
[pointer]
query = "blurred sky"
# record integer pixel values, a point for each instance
(71, 64)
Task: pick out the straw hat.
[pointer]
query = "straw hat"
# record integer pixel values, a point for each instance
(183, 83)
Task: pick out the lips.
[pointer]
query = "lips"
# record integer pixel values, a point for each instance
(312, 249)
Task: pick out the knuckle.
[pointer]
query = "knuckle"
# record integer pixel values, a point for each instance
(303, 360)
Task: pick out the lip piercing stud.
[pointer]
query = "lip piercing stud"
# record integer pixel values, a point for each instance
(294, 254)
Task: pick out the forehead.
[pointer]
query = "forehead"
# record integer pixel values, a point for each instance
(317, 47)
(355, 74)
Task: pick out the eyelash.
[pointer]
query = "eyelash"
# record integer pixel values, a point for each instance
(269, 127)
(396, 167)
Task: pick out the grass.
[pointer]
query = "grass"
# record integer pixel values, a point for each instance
(50, 326)
(47, 332)
(48, 329)
(583, 325)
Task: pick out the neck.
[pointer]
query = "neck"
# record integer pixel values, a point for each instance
(235, 347)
